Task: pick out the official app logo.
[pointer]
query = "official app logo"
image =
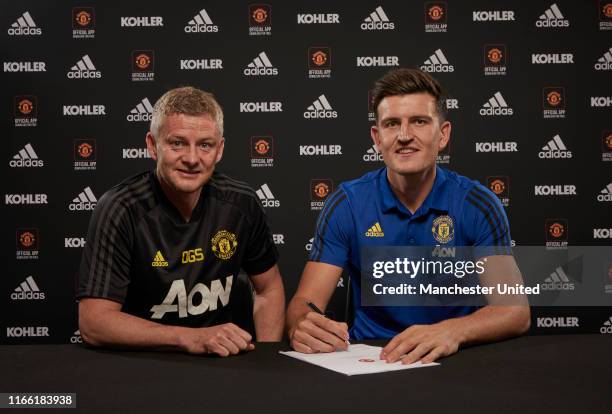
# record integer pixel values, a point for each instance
(444, 154)
(500, 185)
(443, 229)
(24, 26)
(26, 108)
(605, 15)
(319, 62)
(27, 242)
(143, 65)
(262, 151)
(556, 233)
(84, 154)
(201, 23)
(495, 60)
(371, 110)
(224, 244)
(320, 189)
(436, 14)
(260, 20)
(553, 102)
(606, 146)
(83, 23)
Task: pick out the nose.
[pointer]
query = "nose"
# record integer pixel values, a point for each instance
(191, 155)
(404, 134)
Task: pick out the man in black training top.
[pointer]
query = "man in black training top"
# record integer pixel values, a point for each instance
(164, 248)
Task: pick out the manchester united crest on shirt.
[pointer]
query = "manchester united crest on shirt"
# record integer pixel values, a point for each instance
(443, 229)
(224, 244)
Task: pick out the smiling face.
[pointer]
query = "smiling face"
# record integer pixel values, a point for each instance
(186, 149)
(409, 134)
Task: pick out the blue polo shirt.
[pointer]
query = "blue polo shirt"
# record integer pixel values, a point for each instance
(365, 212)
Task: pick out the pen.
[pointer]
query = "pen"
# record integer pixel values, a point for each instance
(316, 309)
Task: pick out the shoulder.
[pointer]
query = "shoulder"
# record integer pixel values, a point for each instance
(359, 187)
(468, 192)
(230, 190)
(136, 190)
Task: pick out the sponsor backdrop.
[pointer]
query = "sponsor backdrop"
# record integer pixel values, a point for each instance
(530, 99)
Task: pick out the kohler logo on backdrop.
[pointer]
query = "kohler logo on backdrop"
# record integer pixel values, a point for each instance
(147, 21)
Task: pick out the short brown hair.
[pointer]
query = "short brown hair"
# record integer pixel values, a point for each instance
(189, 101)
(405, 81)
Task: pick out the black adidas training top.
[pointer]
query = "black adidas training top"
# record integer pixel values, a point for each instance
(140, 251)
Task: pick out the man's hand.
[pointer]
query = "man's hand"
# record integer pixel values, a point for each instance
(224, 340)
(421, 342)
(315, 333)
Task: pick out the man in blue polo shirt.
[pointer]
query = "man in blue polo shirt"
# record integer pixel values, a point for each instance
(410, 202)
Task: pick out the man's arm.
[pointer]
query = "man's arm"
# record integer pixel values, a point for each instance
(502, 318)
(308, 331)
(269, 313)
(102, 323)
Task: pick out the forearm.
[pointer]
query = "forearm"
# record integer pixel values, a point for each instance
(118, 329)
(269, 314)
(295, 311)
(489, 324)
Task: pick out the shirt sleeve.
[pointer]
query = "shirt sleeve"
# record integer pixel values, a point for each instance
(334, 232)
(261, 252)
(105, 266)
(490, 230)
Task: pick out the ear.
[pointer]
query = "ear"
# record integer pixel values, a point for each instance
(445, 133)
(151, 145)
(221, 147)
(375, 134)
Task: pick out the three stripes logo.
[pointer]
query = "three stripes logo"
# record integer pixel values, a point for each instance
(372, 154)
(552, 17)
(555, 148)
(24, 26)
(143, 111)
(496, 105)
(85, 201)
(377, 20)
(605, 62)
(320, 108)
(260, 66)
(558, 280)
(375, 231)
(266, 197)
(201, 23)
(605, 194)
(84, 69)
(158, 260)
(26, 157)
(27, 290)
(606, 328)
(437, 63)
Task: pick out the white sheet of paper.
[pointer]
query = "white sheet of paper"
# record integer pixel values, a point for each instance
(359, 359)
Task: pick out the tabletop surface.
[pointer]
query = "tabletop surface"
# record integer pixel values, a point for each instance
(545, 374)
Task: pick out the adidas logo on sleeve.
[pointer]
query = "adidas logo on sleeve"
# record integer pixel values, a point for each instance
(260, 66)
(24, 26)
(375, 231)
(377, 20)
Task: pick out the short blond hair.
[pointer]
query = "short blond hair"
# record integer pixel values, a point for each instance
(189, 101)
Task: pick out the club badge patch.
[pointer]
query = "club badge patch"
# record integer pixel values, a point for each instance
(443, 229)
(224, 244)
